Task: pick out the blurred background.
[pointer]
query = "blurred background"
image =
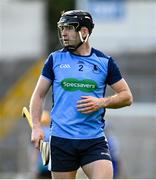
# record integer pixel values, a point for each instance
(124, 29)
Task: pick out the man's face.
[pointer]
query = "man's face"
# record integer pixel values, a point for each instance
(69, 36)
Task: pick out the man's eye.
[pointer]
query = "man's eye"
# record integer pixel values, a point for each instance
(70, 27)
(66, 28)
(61, 28)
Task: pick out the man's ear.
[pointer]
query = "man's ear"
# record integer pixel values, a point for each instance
(84, 31)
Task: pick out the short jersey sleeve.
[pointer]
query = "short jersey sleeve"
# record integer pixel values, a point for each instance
(47, 70)
(114, 74)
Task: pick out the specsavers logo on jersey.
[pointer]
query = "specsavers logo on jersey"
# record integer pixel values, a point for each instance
(72, 84)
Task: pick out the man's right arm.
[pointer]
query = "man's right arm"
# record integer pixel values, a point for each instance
(36, 104)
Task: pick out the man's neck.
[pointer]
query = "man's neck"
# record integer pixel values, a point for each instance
(83, 50)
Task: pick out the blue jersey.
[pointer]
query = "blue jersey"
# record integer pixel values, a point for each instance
(73, 76)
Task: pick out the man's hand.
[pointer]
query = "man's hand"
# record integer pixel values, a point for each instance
(89, 104)
(36, 136)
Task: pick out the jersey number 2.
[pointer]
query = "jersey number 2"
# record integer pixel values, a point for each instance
(80, 67)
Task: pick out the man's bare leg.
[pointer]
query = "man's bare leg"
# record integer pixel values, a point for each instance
(100, 169)
(64, 175)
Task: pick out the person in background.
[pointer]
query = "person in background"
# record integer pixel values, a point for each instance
(115, 152)
(79, 75)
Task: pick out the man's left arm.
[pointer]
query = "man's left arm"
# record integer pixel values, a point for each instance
(122, 97)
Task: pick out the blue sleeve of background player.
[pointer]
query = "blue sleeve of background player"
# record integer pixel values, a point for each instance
(47, 70)
(114, 74)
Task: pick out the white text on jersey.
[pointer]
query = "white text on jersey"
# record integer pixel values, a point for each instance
(65, 66)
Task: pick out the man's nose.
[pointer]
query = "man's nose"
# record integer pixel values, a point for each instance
(64, 31)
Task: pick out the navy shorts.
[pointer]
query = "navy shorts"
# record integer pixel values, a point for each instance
(70, 154)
